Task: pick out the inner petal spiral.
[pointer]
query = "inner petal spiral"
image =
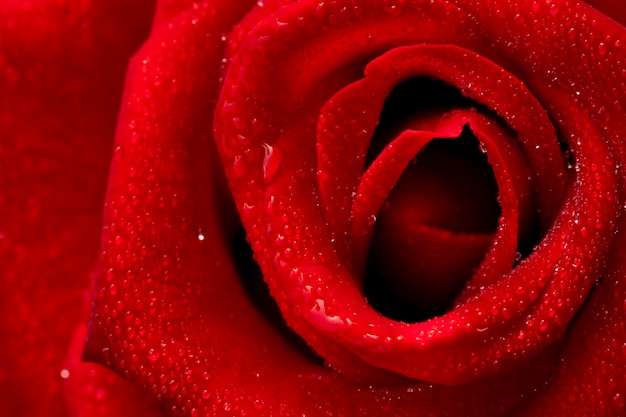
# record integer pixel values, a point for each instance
(433, 231)
(301, 222)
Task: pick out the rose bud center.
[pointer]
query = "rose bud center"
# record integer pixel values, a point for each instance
(441, 216)
(433, 232)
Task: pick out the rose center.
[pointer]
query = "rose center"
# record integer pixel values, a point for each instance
(433, 232)
(438, 221)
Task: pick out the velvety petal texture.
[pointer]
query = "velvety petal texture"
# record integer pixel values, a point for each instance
(62, 67)
(431, 191)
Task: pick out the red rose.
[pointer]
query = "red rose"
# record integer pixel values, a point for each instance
(433, 191)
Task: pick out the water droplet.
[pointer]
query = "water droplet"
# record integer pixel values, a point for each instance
(280, 23)
(288, 253)
(258, 405)
(112, 289)
(271, 162)
(100, 394)
(247, 207)
(153, 355)
(553, 9)
(393, 9)
(571, 34)
(240, 168)
(371, 338)
(109, 275)
(270, 203)
(200, 235)
(65, 373)
(535, 7)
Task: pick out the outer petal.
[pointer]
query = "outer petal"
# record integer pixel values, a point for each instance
(591, 380)
(167, 10)
(612, 8)
(94, 391)
(61, 74)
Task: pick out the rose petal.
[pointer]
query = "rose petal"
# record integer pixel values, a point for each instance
(382, 175)
(61, 76)
(94, 391)
(595, 356)
(611, 8)
(167, 10)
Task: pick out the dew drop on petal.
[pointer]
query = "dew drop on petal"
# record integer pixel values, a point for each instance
(153, 355)
(258, 405)
(553, 9)
(271, 162)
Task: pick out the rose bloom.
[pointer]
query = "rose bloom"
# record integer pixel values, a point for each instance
(312, 208)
